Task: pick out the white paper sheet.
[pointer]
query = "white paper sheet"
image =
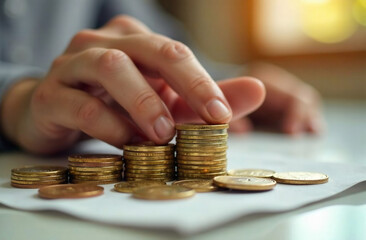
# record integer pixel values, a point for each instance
(203, 211)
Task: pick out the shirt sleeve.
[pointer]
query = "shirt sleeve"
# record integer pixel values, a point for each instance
(9, 75)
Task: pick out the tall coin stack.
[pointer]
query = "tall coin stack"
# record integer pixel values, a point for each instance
(201, 151)
(95, 168)
(38, 176)
(148, 162)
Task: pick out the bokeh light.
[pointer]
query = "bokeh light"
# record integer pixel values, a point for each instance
(359, 11)
(328, 21)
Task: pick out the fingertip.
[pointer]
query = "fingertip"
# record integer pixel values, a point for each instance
(244, 94)
(218, 111)
(164, 129)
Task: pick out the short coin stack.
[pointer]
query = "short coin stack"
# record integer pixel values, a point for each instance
(149, 162)
(38, 176)
(95, 168)
(201, 151)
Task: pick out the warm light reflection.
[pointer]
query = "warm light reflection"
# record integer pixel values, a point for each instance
(327, 21)
(359, 11)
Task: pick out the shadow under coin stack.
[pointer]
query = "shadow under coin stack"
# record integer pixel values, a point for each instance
(95, 168)
(38, 176)
(201, 151)
(145, 162)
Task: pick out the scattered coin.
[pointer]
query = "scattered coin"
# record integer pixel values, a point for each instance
(163, 193)
(70, 191)
(245, 183)
(264, 173)
(130, 186)
(303, 178)
(199, 185)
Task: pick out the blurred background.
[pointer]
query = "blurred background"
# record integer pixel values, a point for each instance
(321, 41)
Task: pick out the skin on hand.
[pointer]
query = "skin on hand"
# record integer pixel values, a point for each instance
(117, 83)
(291, 106)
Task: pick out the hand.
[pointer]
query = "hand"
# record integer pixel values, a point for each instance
(291, 105)
(117, 83)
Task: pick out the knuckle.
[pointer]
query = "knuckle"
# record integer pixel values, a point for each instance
(84, 37)
(40, 97)
(201, 82)
(145, 99)
(122, 20)
(60, 60)
(111, 61)
(174, 50)
(88, 112)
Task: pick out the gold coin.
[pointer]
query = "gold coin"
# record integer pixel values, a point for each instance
(38, 182)
(201, 158)
(212, 137)
(95, 158)
(150, 163)
(150, 175)
(202, 149)
(201, 167)
(196, 145)
(129, 187)
(151, 158)
(163, 193)
(150, 171)
(199, 176)
(103, 173)
(245, 183)
(30, 185)
(202, 141)
(264, 173)
(97, 182)
(148, 154)
(300, 177)
(95, 164)
(146, 148)
(201, 171)
(70, 191)
(202, 163)
(204, 133)
(107, 177)
(96, 169)
(40, 170)
(49, 178)
(151, 167)
(161, 179)
(199, 185)
(200, 127)
(201, 154)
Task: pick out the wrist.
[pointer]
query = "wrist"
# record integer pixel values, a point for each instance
(14, 108)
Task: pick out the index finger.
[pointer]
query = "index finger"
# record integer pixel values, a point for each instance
(177, 64)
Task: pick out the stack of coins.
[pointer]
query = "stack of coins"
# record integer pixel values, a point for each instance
(38, 176)
(201, 151)
(95, 168)
(149, 162)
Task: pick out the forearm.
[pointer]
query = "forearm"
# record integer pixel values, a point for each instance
(14, 109)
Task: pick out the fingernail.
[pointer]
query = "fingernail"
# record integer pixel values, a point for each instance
(164, 127)
(218, 110)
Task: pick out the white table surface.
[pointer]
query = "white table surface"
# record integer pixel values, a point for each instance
(340, 217)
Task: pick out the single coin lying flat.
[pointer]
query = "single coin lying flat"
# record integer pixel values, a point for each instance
(130, 186)
(163, 193)
(199, 185)
(245, 183)
(70, 191)
(301, 178)
(261, 173)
